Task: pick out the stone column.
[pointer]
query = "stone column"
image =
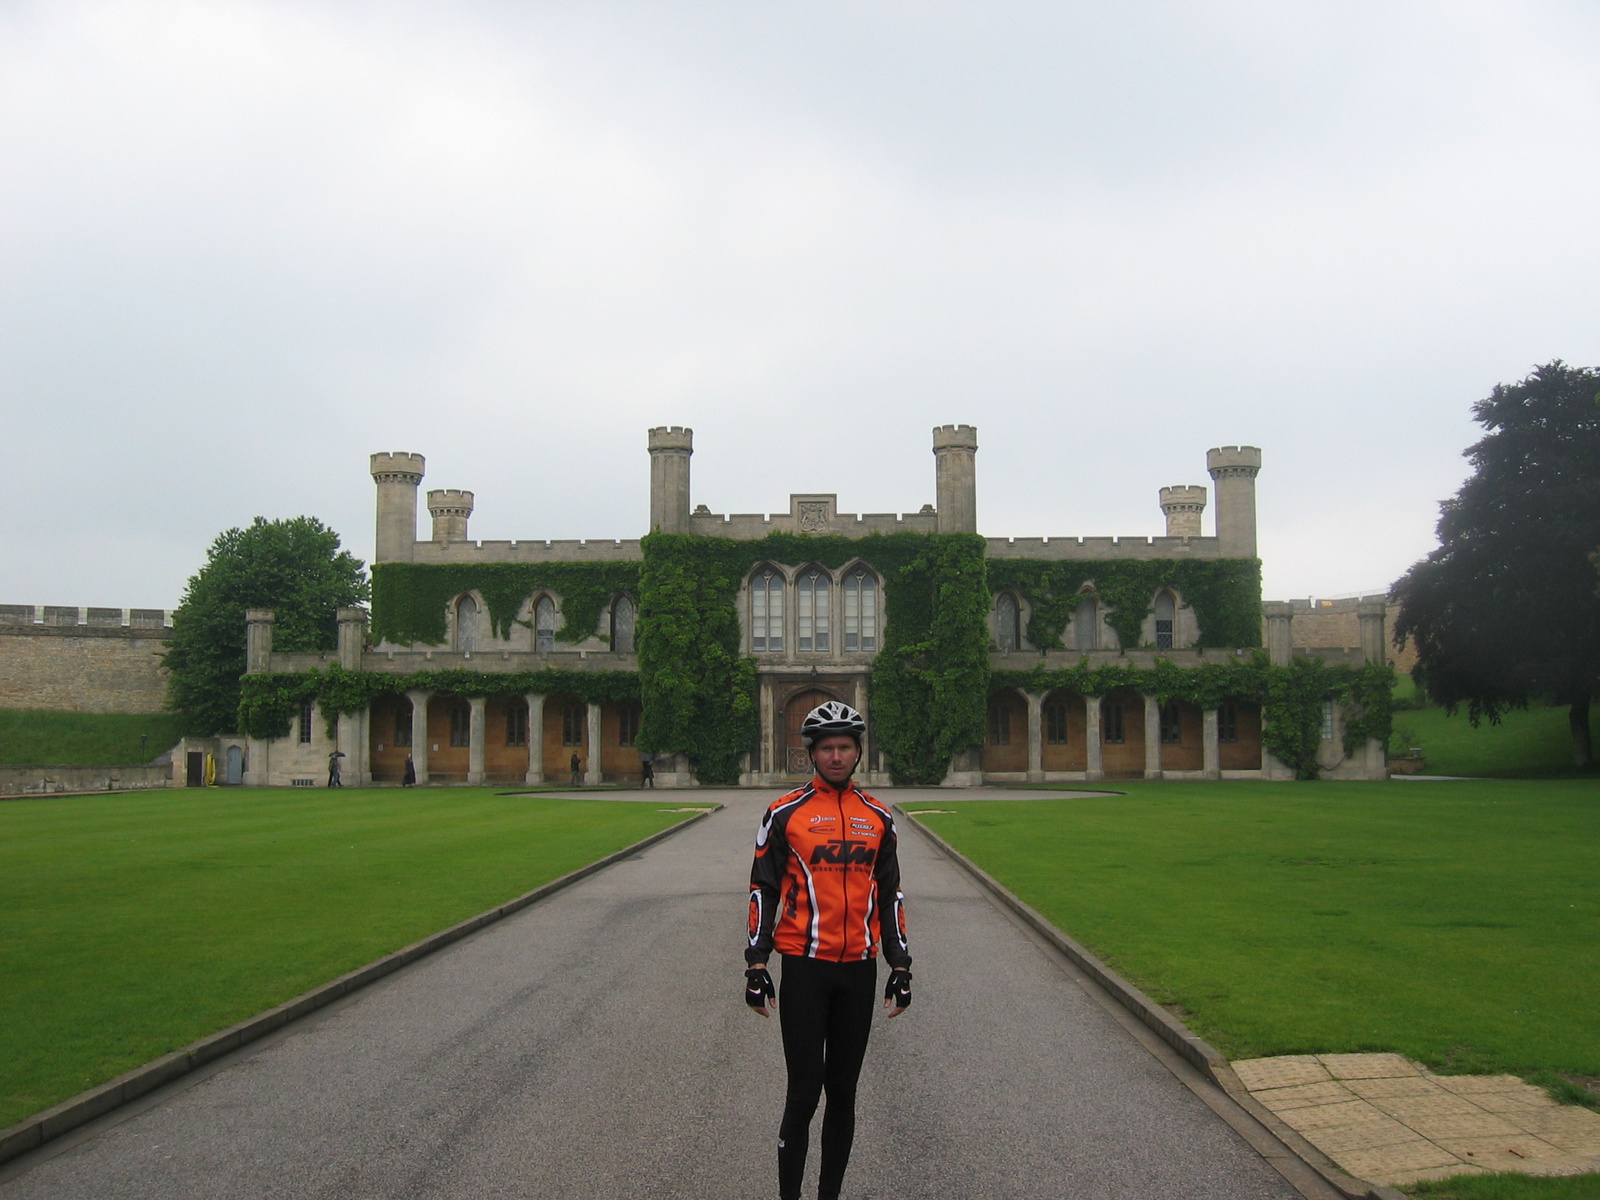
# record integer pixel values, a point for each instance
(257, 762)
(1211, 748)
(1371, 613)
(592, 774)
(535, 739)
(419, 732)
(352, 739)
(258, 640)
(479, 707)
(1094, 736)
(1035, 737)
(1278, 613)
(352, 637)
(771, 742)
(1152, 738)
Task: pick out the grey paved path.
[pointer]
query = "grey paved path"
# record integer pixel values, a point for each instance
(595, 1046)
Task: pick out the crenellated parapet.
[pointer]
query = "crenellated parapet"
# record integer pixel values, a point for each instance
(397, 475)
(1234, 470)
(450, 508)
(1183, 507)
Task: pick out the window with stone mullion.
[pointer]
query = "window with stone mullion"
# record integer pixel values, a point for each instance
(860, 612)
(766, 612)
(812, 605)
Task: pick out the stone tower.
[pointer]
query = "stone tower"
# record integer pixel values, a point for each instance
(1234, 470)
(398, 476)
(450, 508)
(1183, 506)
(955, 451)
(670, 448)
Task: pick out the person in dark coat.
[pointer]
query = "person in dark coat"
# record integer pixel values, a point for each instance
(577, 769)
(409, 779)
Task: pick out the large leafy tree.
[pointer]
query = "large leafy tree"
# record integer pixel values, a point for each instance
(294, 567)
(1505, 610)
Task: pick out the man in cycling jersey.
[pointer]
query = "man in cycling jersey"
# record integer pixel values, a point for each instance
(825, 893)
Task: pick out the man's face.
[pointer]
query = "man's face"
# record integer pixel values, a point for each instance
(835, 757)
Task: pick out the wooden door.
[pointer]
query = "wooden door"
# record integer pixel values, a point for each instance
(795, 758)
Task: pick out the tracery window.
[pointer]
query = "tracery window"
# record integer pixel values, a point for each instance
(812, 610)
(1055, 723)
(1165, 612)
(1086, 625)
(622, 616)
(1008, 622)
(766, 611)
(466, 624)
(544, 625)
(861, 610)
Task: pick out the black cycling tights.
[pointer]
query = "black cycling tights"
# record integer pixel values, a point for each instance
(825, 1009)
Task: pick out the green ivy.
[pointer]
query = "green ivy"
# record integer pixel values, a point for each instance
(268, 702)
(1225, 595)
(1291, 697)
(928, 681)
(411, 601)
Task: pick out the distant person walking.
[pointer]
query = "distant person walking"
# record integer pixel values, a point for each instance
(577, 770)
(409, 779)
(647, 773)
(333, 769)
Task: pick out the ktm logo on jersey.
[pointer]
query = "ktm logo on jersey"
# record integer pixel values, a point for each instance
(844, 853)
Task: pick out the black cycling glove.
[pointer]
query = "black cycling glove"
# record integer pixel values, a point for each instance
(898, 988)
(758, 987)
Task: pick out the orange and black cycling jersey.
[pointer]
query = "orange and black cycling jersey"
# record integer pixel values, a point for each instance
(826, 879)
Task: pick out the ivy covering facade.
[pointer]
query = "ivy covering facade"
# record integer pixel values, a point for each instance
(411, 601)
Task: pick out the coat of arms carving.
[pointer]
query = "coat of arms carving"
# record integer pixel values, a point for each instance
(813, 516)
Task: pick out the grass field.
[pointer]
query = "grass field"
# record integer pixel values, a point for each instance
(1533, 743)
(1457, 923)
(1510, 1187)
(33, 738)
(137, 923)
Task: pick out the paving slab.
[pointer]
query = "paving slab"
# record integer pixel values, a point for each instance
(595, 1045)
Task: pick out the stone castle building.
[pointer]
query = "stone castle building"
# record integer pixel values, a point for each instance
(814, 632)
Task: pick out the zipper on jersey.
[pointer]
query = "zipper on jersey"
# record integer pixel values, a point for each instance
(844, 879)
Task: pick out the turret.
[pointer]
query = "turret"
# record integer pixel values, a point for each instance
(1183, 506)
(258, 640)
(955, 452)
(352, 625)
(398, 477)
(670, 448)
(1234, 470)
(450, 508)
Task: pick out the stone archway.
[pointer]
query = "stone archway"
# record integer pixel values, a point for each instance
(795, 759)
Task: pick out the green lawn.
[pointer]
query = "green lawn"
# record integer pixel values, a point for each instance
(137, 923)
(1510, 1187)
(1457, 923)
(1532, 743)
(32, 737)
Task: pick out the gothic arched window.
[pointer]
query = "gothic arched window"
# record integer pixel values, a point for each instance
(861, 610)
(622, 614)
(813, 605)
(766, 611)
(1008, 622)
(466, 624)
(1086, 625)
(1166, 611)
(544, 625)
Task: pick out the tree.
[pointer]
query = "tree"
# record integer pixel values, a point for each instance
(293, 566)
(1505, 610)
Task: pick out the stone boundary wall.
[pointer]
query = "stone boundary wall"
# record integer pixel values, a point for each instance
(104, 660)
(1320, 625)
(47, 781)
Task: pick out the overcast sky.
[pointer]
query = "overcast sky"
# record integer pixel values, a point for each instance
(244, 245)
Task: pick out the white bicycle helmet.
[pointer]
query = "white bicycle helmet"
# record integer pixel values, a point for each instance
(829, 719)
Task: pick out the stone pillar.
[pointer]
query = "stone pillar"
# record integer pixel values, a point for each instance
(1371, 615)
(1183, 506)
(1211, 748)
(352, 637)
(955, 450)
(1278, 614)
(398, 476)
(419, 732)
(771, 743)
(535, 739)
(670, 449)
(1234, 470)
(1094, 736)
(1152, 738)
(450, 508)
(1035, 737)
(258, 640)
(353, 740)
(593, 773)
(476, 727)
(257, 763)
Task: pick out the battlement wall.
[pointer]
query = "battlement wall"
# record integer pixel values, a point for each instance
(71, 659)
(750, 527)
(1105, 548)
(592, 550)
